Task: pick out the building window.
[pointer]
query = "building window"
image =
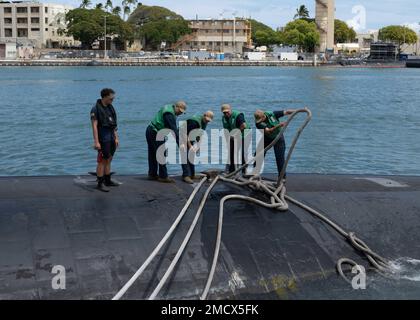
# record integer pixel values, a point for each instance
(22, 20)
(22, 10)
(218, 43)
(46, 20)
(34, 29)
(34, 20)
(188, 43)
(8, 20)
(7, 10)
(46, 29)
(22, 33)
(227, 44)
(46, 9)
(203, 43)
(226, 31)
(35, 9)
(8, 33)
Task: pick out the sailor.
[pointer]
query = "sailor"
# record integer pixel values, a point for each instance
(234, 120)
(104, 124)
(197, 122)
(164, 119)
(269, 122)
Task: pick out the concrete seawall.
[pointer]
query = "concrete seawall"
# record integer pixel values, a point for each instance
(77, 62)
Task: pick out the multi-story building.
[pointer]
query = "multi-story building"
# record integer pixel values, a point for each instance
(227, 36)
(33, 23)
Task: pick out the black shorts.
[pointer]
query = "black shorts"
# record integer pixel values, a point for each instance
(107, 151)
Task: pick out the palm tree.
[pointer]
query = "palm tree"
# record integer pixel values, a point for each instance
(117, 10)
(128, 4)
(301, 12)
(99, 6)
(108, 5)
(127, 11)
(85, 4)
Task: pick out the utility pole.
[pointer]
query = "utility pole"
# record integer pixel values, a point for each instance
(234, 32)
(222, 48)
(105, 55)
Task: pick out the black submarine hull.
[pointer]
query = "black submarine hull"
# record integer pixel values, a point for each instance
(102, 239)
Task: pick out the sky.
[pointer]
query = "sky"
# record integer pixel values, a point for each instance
(363, 15)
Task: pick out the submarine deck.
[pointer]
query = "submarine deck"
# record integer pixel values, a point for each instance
(102, 239)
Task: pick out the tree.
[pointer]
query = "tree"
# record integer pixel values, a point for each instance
(108, 5)
(398, 34)
(301, 13)
(85, 4)
(343, 33)
(263, 35)
(127, 11)
(117, 10)
(127, 4)
(99, 6)
(303, 34)
(87, 25)
(157, 24)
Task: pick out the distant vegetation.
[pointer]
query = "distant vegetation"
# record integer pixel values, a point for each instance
(303, 34)
(343, 33)
(157, 24)
(301, 13)
(87, 25)
(399, 34)
(263, 35)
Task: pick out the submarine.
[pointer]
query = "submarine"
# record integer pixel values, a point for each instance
(102, 239)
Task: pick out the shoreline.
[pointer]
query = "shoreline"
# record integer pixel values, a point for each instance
(166, 63)
(142, 63)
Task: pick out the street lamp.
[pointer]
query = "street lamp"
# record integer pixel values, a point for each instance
(234, 32)
(222, 47)
(105, 55)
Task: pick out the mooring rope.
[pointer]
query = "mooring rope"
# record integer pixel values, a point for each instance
(277, 194)
(161, 243)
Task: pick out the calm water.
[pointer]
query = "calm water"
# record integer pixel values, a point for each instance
(365, 120)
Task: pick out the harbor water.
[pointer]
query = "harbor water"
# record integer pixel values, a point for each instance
(365, 121)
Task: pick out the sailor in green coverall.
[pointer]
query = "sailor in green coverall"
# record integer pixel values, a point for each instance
(269, 121)
(235, 120)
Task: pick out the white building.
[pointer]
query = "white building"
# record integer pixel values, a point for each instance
(34, 24)
(365, 39)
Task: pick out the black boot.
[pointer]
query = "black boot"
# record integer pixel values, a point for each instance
(109, 182)
(101, 185)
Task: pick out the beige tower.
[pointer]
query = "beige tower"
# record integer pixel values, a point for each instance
(324, 18)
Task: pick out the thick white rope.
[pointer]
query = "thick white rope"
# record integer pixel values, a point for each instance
(161, 243)
(184, 243)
